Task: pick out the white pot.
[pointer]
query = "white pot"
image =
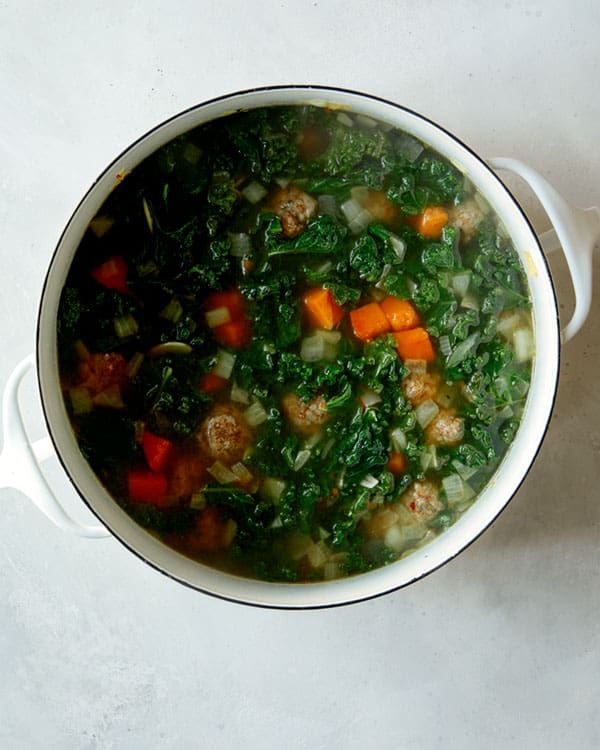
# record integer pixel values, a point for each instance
(576, 229)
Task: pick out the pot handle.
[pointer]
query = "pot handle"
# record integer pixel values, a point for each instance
(576, 230)
(20, 459)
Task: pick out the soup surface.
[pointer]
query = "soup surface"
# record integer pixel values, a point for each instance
(295, 343)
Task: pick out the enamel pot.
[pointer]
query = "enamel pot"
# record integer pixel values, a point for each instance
(575, 230)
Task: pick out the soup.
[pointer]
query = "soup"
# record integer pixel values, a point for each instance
(295, 343)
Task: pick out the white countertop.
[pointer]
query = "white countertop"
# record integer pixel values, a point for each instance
(498, 649)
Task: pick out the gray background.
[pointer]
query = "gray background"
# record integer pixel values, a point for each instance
(498, 649)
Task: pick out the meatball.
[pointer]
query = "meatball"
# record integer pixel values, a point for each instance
(422, 499)
(445, 429)
(466, 216)
(101, 371)
(224, 434)
(420, 386)
(294, 208)
(305, 417)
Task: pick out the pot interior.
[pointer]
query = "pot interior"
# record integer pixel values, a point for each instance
(493, 498)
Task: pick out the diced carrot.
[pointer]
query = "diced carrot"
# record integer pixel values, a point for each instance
(211, 383)
(415, 344)
(236, 333)
(369, 321)
(148, 487)
(112, 274)
(400, 313)
(430, 221)
(398, 463)
(157, 451)
(322, 309)
(232, 299)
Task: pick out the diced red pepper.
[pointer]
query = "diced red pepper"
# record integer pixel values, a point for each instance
(211, 383)
(112, 274)
(232, 299)
(236, 334)
(158, 451)
(148, 487)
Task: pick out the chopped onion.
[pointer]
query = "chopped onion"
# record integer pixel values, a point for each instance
(229, 532)
(301, 459)
(329, 337)
(222, 473)
(217, 317)
(358, 218)
(101, 224)
(369, 482)
(331, 570)
(272, 489)
(172, 311)
(361, 222)
(317, 554)
(523, 344)
(398, 439)
(324, 268)
(394, 538)
(465, 472)
(482, 203)
(198, 501)
(367, 122)
(134, 364)
(240, 244)
(81, 401)
(277, 523)
(409, 146)
(242, 473)
(398, 246)
(462, 349)
(148, 215)
(429, 459)
(191, 153)
(224, 364)
(312, 348)
(239, 395)
(125, 326)
(470, 302)
(445, 347)
(384, 273)
(416, 366)
(327, 205)
(369, 398)
(313, 439)
(109, 397)
(254, 192)
(426, 411)
(255, 414)
(283, 182)
(170, 347)
(327, 447)
(343, 118)
(351, 209)
(460, 283)
(508, 323)
(454, 489)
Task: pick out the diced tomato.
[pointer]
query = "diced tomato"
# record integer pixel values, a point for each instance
(232, 299)
(236, 334)
(112, 274)
(211, 383)
(148, 487)
(158, 451)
